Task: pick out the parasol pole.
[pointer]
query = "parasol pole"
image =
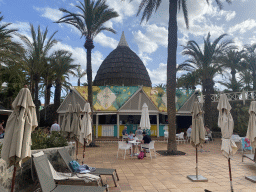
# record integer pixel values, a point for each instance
(13, 178)
(76, 148)
(196, 164)
(230, 176)
(83, 152)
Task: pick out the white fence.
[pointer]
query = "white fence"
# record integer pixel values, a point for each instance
(234, 96)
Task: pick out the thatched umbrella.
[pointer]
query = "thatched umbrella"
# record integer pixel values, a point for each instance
(17, 141)
(197, 136)
(226, 123)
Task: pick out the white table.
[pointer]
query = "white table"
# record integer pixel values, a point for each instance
(134, 142)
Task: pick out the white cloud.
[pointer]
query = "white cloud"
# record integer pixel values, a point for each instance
(106, 41)
(52, 14)
(243, 27)
(144, 43)
(79, 56)
(158, 75)
(230, 15)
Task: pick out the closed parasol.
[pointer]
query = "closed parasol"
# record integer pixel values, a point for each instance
(17, 142)
(86, 127)
(197, 136)
(226, 123)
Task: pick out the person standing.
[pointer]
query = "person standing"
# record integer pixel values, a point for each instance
(189, 132)
(138, 133)
(124, 132)
(55, 127)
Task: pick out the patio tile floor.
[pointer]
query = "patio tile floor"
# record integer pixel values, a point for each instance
(169, 173)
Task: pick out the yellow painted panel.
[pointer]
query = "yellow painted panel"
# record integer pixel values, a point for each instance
(153, 130)
(121, 128)
(99, 130)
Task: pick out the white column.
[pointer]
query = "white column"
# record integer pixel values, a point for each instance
(157, 122)
(97, 123)
(117, 125)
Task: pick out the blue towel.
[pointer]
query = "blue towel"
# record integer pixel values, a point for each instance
(246, 144)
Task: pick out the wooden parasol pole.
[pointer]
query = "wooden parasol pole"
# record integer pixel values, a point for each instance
(13, 177)
(196, 164)
(76, 148)
(230, 176)
(83, 152)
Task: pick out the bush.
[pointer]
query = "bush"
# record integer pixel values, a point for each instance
(241, 119)
(41, 140)
(215, 128)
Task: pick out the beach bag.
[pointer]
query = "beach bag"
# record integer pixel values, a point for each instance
(141, 155)
(74, 165)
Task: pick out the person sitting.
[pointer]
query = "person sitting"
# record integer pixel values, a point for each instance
(138, 133)
(130, 136)
(146, 140)
(189, 132)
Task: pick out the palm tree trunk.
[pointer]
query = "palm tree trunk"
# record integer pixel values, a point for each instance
(89, 46)
(78, 82)
(37, 103)
(57, 96)
(234, 82)
(48, 93)
(171, 76)
(207, 104)
(254, 79)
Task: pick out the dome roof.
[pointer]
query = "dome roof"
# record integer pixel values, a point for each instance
(122, 67)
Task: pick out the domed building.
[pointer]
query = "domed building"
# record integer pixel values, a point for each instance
(120, 89)
(122, 67)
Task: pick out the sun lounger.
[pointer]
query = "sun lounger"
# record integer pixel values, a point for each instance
(47, 182)
(246, 146)
(99, 171)
(69, 178)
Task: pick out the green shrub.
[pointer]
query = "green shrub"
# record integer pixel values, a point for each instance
(241, 118)
(41, 140)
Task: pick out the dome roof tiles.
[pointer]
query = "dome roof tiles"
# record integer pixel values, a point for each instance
(122, 67)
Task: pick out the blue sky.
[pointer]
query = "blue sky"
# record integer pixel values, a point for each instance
(148, 40)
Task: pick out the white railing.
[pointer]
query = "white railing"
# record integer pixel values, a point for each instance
(234, 96)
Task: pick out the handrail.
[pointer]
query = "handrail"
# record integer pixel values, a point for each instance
(234, 96)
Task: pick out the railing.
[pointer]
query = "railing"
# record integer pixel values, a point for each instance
(234, 96)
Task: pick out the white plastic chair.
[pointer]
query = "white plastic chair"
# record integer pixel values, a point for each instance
(123, 146)
(166, 135)
(124, 137)
(150, 146)
(180, 137)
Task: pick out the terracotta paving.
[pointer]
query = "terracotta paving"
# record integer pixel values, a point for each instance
(169, 173)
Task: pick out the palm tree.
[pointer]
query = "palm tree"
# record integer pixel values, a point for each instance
(232, 60)
(90, 23)
(250, 61)
(80, 73)
(161, 85)
(62, 65)
(9, 50)
(231, 85)
(149, 7)
(188, 81)
(246, 78)
(206, 64)
(36, 56)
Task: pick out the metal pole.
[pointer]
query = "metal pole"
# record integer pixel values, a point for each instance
(83, 153)
(196, 164)
(230, 176)
(76, 148)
